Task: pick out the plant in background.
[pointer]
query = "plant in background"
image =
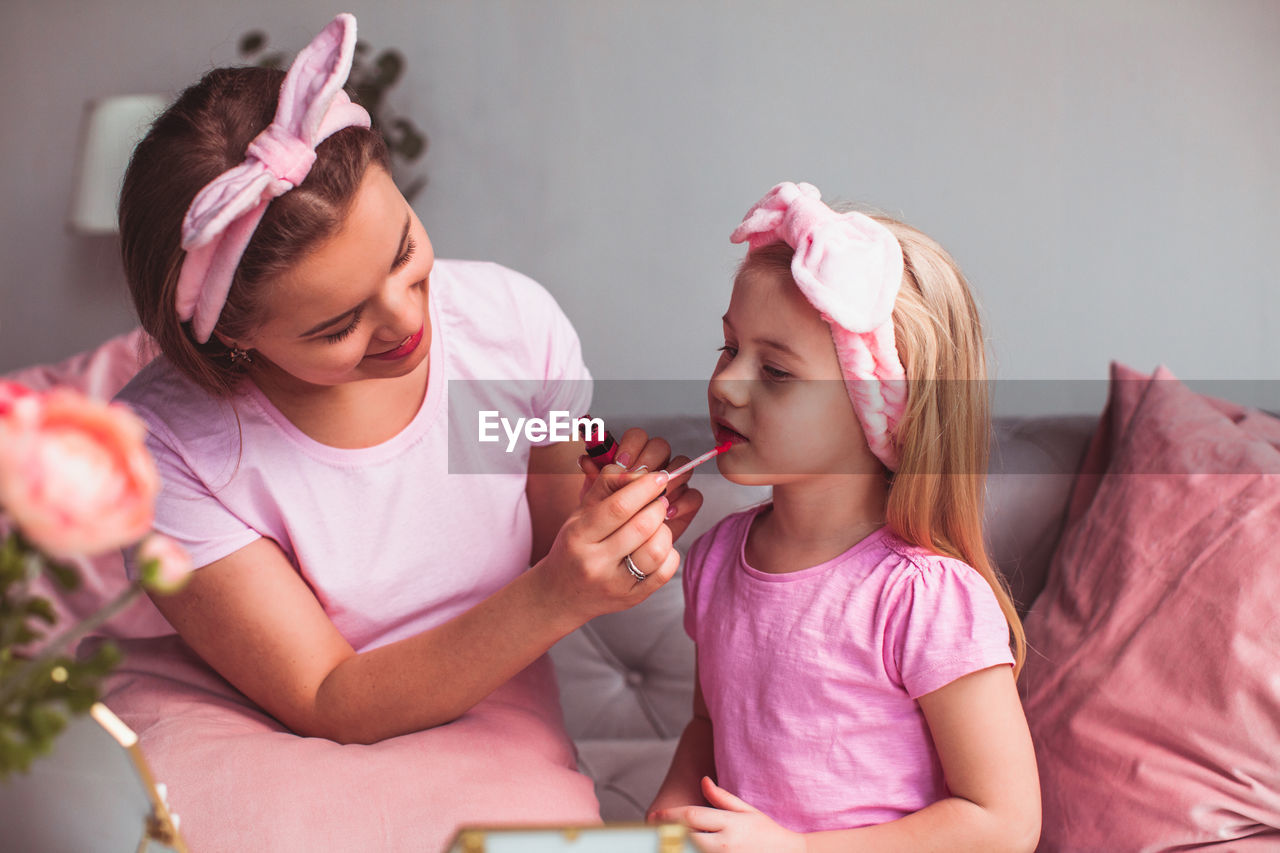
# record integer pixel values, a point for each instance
(368, 84)
(76, 480)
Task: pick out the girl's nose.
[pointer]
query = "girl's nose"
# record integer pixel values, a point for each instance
(728, 386)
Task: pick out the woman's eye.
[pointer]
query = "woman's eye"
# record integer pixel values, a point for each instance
(727, 350)
(408, 254)
(342, 334)
(776, 374)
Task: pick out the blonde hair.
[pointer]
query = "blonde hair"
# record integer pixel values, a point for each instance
(937, 495)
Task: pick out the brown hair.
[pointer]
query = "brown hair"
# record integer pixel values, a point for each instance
(937, 495)
(204, 133)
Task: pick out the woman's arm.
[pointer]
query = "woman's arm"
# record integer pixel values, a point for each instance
(694, 758)
(254, 620)
(987, 759)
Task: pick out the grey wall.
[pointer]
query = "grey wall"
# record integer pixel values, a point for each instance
(1104, 172)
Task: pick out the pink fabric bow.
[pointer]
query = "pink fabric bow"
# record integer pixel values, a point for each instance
(223, 216)
(849, 267)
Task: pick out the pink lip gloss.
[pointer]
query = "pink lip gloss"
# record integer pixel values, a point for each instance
(694, 463)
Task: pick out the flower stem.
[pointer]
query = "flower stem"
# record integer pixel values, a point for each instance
(30, 570)
(55, 647)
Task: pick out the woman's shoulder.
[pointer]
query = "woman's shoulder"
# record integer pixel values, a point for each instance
(172, 405)
(495, 290)
(497, 323)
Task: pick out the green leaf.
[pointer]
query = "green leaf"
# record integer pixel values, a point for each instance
(413, 188)
(252, 42)
(44, 723)
(390, 67)
(42, 609)
(64, 574)
(411, 143)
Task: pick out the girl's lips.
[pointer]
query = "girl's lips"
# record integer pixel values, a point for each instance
(410, 344)
(724, 433)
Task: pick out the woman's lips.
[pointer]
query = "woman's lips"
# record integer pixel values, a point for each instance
(410, 344)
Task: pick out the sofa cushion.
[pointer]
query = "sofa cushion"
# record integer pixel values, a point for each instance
(1033, 464)
(1151, 684)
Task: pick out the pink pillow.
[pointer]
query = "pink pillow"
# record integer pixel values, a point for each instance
(1153, 683)
(238, 780)
(98, 373)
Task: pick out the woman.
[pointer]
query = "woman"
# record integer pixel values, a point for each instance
(349, 585)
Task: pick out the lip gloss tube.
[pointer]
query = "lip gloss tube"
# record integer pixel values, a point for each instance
(603, 450)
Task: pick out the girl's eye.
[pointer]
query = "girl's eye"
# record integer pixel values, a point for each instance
(408, 254)
(342, 334)
(776, 374)
(727, 350)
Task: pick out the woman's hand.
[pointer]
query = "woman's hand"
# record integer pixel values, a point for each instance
(637, 451)
(584, 574)
(731, 825)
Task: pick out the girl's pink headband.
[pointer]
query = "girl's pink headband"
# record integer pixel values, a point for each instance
(222, 218)
(849, 267)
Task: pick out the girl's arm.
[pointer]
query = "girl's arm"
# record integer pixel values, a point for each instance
(987, 758)
(694, 758)
(981, 735)
(252, 618)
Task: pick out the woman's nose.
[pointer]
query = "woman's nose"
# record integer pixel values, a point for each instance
(401, 310)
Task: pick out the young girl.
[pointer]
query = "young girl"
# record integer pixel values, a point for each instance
(357, 595)
(855, 679)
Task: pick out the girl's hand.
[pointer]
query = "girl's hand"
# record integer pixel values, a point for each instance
(638, 451)
(732, 825)
(583, 574)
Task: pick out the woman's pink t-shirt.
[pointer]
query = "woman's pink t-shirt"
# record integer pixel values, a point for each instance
(402, 536)
(811, 677)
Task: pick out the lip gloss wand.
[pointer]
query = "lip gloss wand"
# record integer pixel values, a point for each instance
(694, 463)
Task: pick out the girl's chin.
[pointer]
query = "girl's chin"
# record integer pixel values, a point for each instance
(739, 474)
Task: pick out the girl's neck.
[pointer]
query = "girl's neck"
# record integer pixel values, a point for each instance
(816, 520)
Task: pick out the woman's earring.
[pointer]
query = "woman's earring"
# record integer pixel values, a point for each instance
(240, 357)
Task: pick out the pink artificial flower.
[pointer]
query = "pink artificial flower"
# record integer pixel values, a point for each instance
(10, 392)
(166, 565)
(75, 475)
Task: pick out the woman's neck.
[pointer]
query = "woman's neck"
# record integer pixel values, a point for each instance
(351, 415)
(816, 520)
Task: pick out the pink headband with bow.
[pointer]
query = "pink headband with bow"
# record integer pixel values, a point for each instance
(849, 267)
(222, 218)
